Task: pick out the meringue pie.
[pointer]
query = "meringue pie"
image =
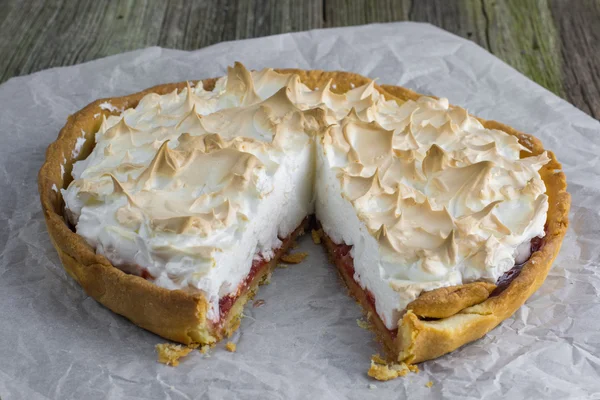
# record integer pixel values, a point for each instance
(184, 197)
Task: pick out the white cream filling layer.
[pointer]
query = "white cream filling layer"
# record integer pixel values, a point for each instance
(191, 186)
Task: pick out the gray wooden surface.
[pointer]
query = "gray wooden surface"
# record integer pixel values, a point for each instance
(554, 42)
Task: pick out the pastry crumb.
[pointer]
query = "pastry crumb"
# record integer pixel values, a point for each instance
(204, 349)
(363, 324)
(382, 371)
(266, 279)
(317, 235)
(170, 354)
(378, 359)
(231, 347)
(294, 245)
(429, 384)
(294, 258)
(372, 386)
(258, 303)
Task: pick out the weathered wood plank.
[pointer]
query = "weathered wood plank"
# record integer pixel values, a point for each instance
(578, 24)
(66, 32)
(192, 25)
(18, 33)
(522, 33)
(57, 33)
(273, 16)
(464, 18)
(554, 42)
(358, 12)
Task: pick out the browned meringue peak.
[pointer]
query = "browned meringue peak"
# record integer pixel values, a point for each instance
(463, 189)
(392, 116)
(91, 186)
(480, 135)
(122, 165)
(401, 167)
(241, 85)
(130, 216)
(369, 142)
(361, 99)
(212, 142)
(533, 188)
(404, 139)
(364, 145)
(104, 126)
(460, 116)
(524, 224)
(534, 162)
(234, 168)
(355, 187)
(444, 135)
(164, 164)
(516, 178)
(108, 150)
(416, 214)
(335, 105)
(201, 224)
(411, 243)
(204, 253)
(267, 82)
(436, 160)
(128, 168)
(192, 122)
(204, 143)
(403, 240)
(189, 102)
(168, 111)
(484, 220)
(154, 111)
(177, 211)
(261, 120)
(123, 136)
(156, 189)
(437, 260)
(388, 213)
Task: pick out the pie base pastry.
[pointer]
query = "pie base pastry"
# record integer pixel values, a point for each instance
(441, 321)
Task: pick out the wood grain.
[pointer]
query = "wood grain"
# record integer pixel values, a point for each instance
(554, 42)
(578, 26)
(523, 34)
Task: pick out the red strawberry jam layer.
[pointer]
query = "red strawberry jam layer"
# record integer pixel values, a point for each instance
(259, 264)
(341, 253)
(226, 302)
(536, 244)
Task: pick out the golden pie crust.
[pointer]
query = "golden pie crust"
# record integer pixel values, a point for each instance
(462, 314)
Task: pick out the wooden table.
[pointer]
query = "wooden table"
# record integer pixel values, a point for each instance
(554, 42)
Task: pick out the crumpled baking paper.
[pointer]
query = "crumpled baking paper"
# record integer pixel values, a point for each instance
(304, 342)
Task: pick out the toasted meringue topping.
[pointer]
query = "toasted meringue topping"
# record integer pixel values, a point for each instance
(442, 199)
(192, 185)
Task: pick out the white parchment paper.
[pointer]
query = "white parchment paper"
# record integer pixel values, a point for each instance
(304, 343)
